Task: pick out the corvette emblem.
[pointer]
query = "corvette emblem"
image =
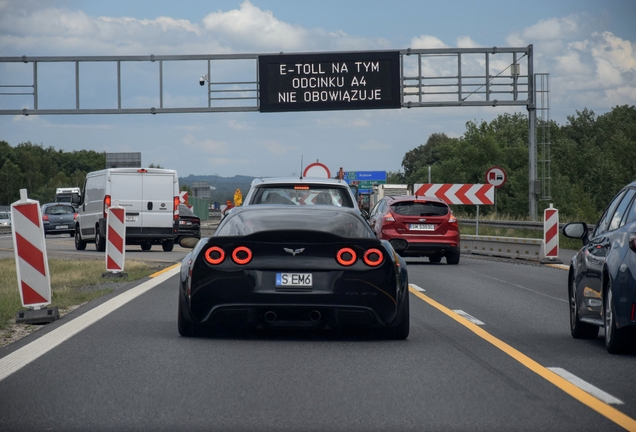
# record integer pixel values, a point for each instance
(294, 251)
(421, 220)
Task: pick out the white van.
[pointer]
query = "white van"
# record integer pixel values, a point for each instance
(150, 197)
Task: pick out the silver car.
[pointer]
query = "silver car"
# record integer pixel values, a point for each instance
(300, 192)
(5, 219)
(59, 218)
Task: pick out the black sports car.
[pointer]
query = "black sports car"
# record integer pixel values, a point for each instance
(273, 266)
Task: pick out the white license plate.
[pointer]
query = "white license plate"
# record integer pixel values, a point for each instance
(61, 227)
(131, 218)
(423, 227)
(294, 280)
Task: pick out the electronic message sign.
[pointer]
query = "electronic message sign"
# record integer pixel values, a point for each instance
(333, 81)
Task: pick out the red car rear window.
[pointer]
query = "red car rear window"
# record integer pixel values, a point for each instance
(418, 208)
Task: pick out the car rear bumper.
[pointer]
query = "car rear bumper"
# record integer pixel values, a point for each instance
(406, 248)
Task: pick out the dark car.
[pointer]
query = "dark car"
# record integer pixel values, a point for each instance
(602, 279)
(59, 218)
(272, 266)
(417, 226)
(189, 223)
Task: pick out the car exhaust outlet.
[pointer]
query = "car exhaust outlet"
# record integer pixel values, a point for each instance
(443, 251)
(270, 316)
(314, 315)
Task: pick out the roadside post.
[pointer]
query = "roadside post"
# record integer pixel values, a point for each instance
(115, 241)
(551, 236)
(32, 266)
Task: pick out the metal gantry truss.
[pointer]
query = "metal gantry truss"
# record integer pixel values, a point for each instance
(442, 77)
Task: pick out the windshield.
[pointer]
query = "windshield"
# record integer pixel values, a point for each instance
(417, 208)
(59, 210)
(303, 195)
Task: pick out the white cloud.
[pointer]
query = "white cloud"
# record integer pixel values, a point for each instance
(206, 146)
(373, 146)
(238, 125)
(427, 41)
(277, 148)
(467, 42)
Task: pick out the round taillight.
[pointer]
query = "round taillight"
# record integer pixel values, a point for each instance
(242, 255)
(214, 255)
(373, 257)
(346, 256)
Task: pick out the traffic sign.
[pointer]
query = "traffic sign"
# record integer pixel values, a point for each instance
(475, 194)
(317, 169)
(496, 176)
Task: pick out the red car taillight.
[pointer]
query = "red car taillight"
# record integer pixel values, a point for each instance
(215, 255)
(373, 257)
(107, 204)
(346, 256)
(242, 255)
(388, 219)
(175, 209)
(45, 217)
(452, 222)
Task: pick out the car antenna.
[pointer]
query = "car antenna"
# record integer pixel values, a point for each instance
(301, 167)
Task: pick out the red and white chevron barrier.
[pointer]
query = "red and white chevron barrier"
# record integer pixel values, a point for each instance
(475, 194)
(32, 265)
(115, 239)
(551, 232)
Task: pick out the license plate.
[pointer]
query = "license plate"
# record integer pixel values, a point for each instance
(61, 227)
(423, 227)
(294, 280)
(131, 218)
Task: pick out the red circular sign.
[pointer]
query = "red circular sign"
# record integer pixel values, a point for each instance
(317, 169)
(496, 176)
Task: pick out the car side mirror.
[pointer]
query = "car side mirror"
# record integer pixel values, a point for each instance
(365, 214)
(576, 230)
(188, 242)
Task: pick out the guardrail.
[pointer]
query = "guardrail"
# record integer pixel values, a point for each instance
(508, 247)
(513, 224)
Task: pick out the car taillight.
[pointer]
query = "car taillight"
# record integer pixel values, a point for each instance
(452, 222)
(346, 256)
(175, 209)
(633, 314)
(373, 257)
(75, 216)
(388, 218)
(107, 204)
(242, 255)
(45, 217)
(215, 255)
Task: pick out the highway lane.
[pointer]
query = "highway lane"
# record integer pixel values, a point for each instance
(131, 370)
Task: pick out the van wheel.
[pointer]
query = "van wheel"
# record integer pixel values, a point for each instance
(146, 246)
(100, 242)
(79, 243)
(168, 245)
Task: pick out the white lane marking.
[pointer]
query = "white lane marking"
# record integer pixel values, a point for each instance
(522, 287)
(469, 317)
(415, 287)
(28, 353)
(586, 386)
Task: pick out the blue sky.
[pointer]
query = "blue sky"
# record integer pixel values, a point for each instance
(588, 48)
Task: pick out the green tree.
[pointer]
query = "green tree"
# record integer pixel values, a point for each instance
(11, 180)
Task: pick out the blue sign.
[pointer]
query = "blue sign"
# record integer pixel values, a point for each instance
(364, 175)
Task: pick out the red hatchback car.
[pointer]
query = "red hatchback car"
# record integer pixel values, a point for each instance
(417, 226)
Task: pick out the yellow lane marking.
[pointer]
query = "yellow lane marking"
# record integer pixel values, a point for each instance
(602, 408)
(167, 269)
(559, 266)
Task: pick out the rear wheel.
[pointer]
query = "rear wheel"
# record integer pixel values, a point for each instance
(435, 258)
(146, 246)
(401, 331)
(616, 340)
(168, 245)
(579, 330)
(452, 258)
(186, 327)
(100, 242)
(79, 243)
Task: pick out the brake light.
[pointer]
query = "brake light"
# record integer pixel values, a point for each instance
(242, 255)
(373, 257)
(75, 216)
(388, 218)
(45, 217)
(633, 314)
(215, 255)
(346, 256)
(175, 208)
(297, 187)
(142, 170)
(107, 204)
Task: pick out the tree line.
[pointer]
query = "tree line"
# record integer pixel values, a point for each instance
(591, 158)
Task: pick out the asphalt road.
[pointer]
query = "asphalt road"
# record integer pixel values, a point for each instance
(130, 370)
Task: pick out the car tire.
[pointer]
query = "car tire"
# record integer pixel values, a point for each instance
(452, 258)
(402, 329)
(616, 340)
(146, 246)
(435, 258)
(168, 245)
(79, 243)
(578, 329)
(100, 242)
(71, 234)
(185, 327)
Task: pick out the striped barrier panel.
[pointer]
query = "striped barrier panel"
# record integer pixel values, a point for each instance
(115, 239)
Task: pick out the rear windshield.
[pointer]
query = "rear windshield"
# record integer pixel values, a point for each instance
(303, 195)
(185, 211)
(59, 210)
(337, 223)
(415, 208)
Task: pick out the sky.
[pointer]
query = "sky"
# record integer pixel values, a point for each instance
(587, 47)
